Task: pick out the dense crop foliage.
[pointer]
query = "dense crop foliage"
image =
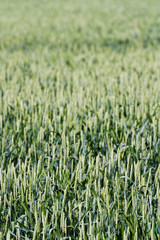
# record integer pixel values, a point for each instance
(80, 119)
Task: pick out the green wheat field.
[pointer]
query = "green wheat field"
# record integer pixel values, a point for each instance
(80, 119)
